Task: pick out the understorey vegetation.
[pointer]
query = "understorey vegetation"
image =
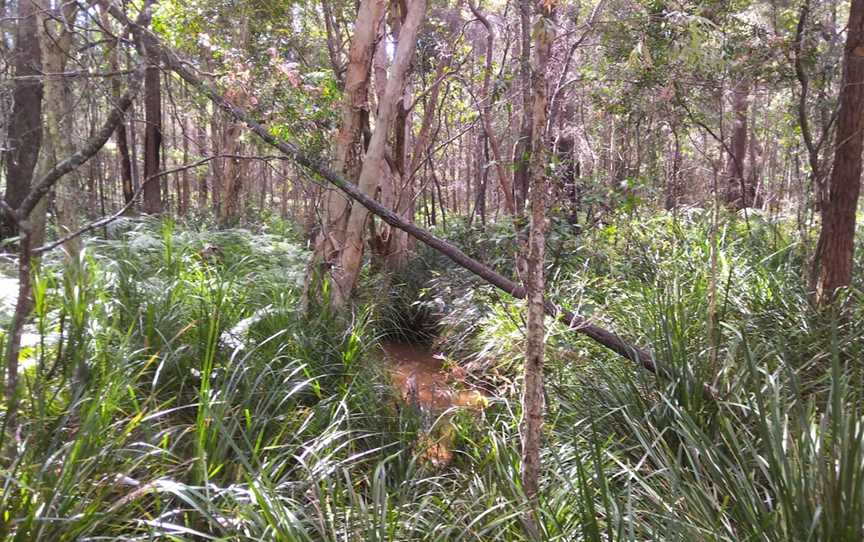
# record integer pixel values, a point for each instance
(173, 390)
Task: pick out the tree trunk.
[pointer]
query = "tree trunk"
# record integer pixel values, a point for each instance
(232, 172)
(673, 179)
(120, 134)
(374, 164)
(532, 392)
(486, 113)
(55, 41)
(738, 192)
(152, 138)
(25, 126)
(185, 188)
(331, 238)
(399, 242)
(834, 251)
(215, 165)
(522, 149)
(333, 49)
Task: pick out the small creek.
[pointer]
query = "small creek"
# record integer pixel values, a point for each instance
(423, 382)
(419, 375)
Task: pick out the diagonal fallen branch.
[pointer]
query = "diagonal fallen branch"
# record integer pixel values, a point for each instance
(574, 321)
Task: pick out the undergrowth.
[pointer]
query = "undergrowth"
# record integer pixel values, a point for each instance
(175, 392)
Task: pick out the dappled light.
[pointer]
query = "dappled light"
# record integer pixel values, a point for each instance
(526, 270)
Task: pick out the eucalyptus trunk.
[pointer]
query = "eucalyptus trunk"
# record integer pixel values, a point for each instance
(351, 257)
(532, 393)
(348, 145)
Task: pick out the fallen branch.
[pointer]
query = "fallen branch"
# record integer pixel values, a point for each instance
(574, 321)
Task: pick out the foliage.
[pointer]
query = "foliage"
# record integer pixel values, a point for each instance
(178, 393)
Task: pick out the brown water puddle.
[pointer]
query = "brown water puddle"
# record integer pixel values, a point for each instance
(421, 379)
(419, 373)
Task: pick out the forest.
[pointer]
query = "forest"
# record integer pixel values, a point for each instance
(431, 270)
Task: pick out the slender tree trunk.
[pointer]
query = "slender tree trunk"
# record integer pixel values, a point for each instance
(673, 182)
(486, 113)
(522, 149)
(216, 165)
(152, 138)
(55, 41)
(201, 177)
(232, 171)
(399, 242)
(120, 134)
(738, 192)
(835, 249)
(424, 137)
(25, 126)
(185, 189)
(134, 149)
(532, 393)
(333, 48)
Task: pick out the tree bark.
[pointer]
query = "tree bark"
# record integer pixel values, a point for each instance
(522, 149)
(152, 137)
(739, 193)
(25, 125)
(120, 135)
(347, 148)
(398, 242)
(55, 40)
(185, 188)
(532, 393)
(232, 171)
(374, 165)
(834, 251)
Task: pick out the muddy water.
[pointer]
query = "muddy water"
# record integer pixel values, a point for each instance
(421, 379)
(419, 375)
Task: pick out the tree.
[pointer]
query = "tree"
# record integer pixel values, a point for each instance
(355, 111)
(522, 149)
(55, 41)
(486, 113)
(532, 393)
(25, 126)
(351, 256)
(152, 135)
(739, 194)
(120, 135)
(835, 248)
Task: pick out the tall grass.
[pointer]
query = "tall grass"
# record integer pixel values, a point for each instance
(143, 418)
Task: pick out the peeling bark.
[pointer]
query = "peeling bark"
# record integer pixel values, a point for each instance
(531, 426)
(374, 164)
